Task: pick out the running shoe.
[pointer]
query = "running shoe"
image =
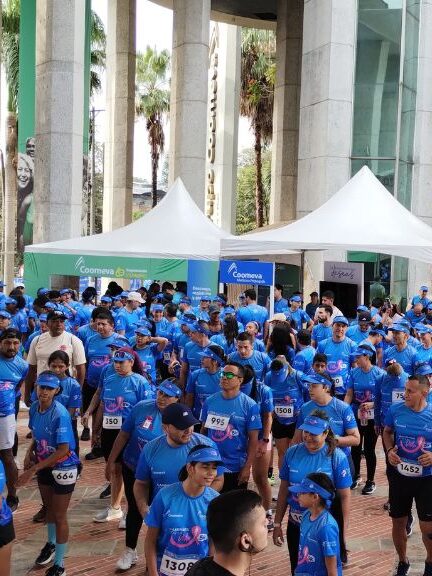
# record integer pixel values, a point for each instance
(106, 492)
(46, 554)
(56, 570)
(368, 488)
(122, 523)
(409, 525)
(272, 480)
(40, 516)
(85, 434)
(95, 453)
(403, 569)
(127, 560)
(108, 514)
(356, 483)
(12, 502)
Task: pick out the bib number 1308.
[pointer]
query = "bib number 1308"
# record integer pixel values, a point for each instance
(175, 566)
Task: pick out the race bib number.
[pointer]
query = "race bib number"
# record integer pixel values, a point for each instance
(175, 566)
(167, 357)
(112, 422)
(65, 477)
(366, 414)
(284, 411)
(147, 423)
(216, 422)
(398, 396)
(407, 469)
(338, 381)
(296, 517)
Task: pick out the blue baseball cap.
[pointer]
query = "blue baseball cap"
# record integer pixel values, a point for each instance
(196, 327)
(106, 299)
(314, 378)
(205, 298)
(118, 343)
(157, 308)
(364, 350)
(377, 330)
(340, 320)
(122, 355)
(308, 486)
(207, 454)
(179, 415)
(124, 294)
(229, 310)
(314, 425)
(295, 298)
(65, 291)
(9, 300)
(169, 388)
(422, 368)
(185, 300)
(423, 328)
(424, 288)
(209, 353)
(187, 319)
(2, 284)
(48, 379)
(42, 291)
(42, 317)
(143, 330)
(50, 306)
(116, 298)
(5, 314)
(398, 327)
(362, 308)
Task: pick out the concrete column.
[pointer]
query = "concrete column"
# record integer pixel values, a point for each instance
(223, 121)
(120, 113)
(418, 272)
(189, 90)
(286, 113)
(60, 31)
(326, 110)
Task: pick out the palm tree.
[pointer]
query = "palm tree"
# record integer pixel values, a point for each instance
(152, 99)
(98, 52)
(256, 98)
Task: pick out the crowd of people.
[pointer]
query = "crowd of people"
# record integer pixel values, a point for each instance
(191, 405)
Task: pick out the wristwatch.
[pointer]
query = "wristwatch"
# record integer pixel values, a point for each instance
(266, 440)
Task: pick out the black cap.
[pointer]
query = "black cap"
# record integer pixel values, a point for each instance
(364, 317)
(179, 415)
(55, 315)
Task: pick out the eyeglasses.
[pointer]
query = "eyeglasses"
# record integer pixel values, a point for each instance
(229, 375)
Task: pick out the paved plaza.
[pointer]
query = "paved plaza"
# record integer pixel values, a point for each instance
(95, 548)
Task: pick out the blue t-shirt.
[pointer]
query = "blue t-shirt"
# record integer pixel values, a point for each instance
(148, 357)
(159, 463)
(221, 341)
(251, 312)
(182, 524)
(363, 384)
(191, 355)
(298, 462)
(85, 332)
(340, 415)
(357, 335)
(19, 322)
(228, 423)
(264, 399)
(404, 357)
(280, 305)
(128, 321)
(299, 317)
(119, 394)
(143, 424)
(413, 318)
(287, 396)
(422, 355)
(29, 340)
(202, 384)
(413, 435)
(260, 362)
(50, 429)
(5, 511)
(304, 359)
(98, 355)
(12, 373)
(338, 360)
(180, 341)
(319, 539)
(321, 332)
(390, 390)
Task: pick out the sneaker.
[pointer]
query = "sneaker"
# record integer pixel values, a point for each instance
(46, 555)
(108, 514)
(40, 516)
(95, 453)
(127, 560)
(23, 407)
(122, 523)
(56, 570)
(106, 492)
(270, 523)
(344, 558)
(356, 483)
(12, 502)
(403, 569)
(409, 525)
(428, 569)
(272, 480)
(85, 434)
(368, 488)
(17, 463)
(386, 506)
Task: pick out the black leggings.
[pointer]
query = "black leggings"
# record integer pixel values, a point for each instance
(75, 433)
(15, 446)
(368, 440)
(133, 518)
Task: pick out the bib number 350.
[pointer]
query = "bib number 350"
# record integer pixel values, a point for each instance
(175, 566)
(112, 422)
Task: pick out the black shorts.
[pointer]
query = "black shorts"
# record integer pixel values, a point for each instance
(404, 489)
(7, 534)
(280, 431)
(108, 437)
(46, 478)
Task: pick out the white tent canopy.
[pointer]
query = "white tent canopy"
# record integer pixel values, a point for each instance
(362, 216)
(175, 228)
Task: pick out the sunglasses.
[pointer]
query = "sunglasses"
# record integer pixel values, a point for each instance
(229, 375)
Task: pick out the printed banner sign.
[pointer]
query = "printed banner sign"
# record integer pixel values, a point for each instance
(245, 272)
(202, 279)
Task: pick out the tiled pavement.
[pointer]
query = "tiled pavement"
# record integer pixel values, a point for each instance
(94, 548)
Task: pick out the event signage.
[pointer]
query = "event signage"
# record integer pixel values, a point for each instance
(246, 272)
(347, 273)
(202, 279)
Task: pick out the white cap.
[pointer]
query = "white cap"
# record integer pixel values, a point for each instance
(279, 317)
(135, 297)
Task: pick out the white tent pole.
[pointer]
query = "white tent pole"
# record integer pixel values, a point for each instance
(271, 296)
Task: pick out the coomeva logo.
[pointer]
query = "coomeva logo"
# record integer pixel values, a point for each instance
(82, 268)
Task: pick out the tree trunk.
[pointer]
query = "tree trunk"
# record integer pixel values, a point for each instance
(10, 204)
(155, 162)
(259, 189)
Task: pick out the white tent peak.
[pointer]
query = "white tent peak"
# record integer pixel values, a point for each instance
(362, 216)
(175, 228)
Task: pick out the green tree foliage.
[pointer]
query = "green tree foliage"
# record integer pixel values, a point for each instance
(246, 190)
